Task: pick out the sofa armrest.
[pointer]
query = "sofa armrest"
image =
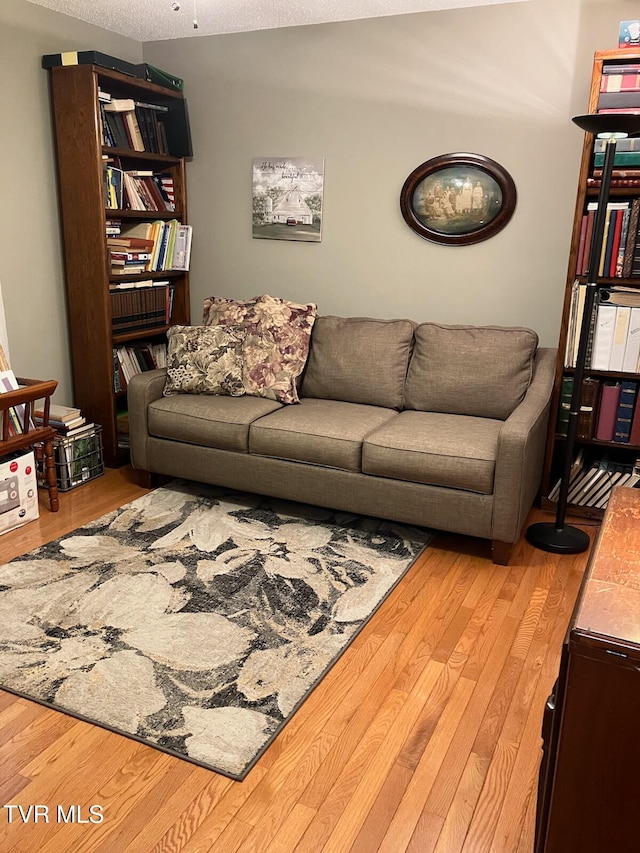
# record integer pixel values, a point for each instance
(520, 456)
(142, 390)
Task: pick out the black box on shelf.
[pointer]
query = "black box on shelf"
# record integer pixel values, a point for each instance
(90, 57)
(78, 459)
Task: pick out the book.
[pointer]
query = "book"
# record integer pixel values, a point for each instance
(634, 434)
(603, 337)
(566, 391)
(114, 188)
(620, 158)
(632, 347)
(623, 239)
(606, 422)
(585, 426)
(182, 248)
(607, 246)
(630, 143)
(631, 238)
(58, 412)
(628, 97)
(624, 415)
(612, 264)
(63, 426)
(619, 343)
(582, 239)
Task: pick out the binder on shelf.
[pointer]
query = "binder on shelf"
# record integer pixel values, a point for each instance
(619, 342)
(624, 415)
(603, 337)
(632, 348)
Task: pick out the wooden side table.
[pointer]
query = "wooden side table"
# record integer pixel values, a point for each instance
(29, 392)
(589, 786)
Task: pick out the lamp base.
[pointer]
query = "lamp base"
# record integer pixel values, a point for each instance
(565, 540)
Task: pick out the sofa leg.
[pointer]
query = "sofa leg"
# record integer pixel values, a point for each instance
(146, 479)
(501, 552)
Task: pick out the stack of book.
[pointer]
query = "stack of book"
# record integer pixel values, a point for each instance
(67, 421)
(77, 447)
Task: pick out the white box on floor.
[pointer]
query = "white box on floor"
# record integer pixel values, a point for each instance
(18, 491)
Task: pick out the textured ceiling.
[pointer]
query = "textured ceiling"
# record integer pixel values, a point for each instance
(155, 20)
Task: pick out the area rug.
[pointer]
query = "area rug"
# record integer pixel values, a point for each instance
(195, 619)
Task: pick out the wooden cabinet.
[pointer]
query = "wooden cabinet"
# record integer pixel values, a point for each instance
(80, 156)
(589, 785)
(607, 92)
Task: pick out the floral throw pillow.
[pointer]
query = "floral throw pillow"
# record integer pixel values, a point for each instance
(204, 360)
(276, 343)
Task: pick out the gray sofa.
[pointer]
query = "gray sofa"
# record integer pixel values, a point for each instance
(431, 425)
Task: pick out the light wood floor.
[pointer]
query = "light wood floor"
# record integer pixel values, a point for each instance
(425, 736)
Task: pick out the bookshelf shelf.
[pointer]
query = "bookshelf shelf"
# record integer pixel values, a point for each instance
(80, 134)
(620, 268)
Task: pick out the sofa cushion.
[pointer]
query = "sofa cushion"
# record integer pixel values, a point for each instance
(276, 343)
(437, 449)
(202, 360)
(481, 371)
(359, 360)
(221, 422)
(321, 432)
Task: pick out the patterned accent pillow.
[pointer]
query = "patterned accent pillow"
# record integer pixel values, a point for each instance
(276, 344)
(204, 360)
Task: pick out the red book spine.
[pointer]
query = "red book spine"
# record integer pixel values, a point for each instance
(616, 244)
(608, 411)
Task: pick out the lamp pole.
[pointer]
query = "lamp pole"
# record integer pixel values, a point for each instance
(559, 537)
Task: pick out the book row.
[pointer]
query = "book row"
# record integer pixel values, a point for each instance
(136, 189)
(608, 410)
(591, 483)
(136, 358)
(620, 254)
(152, 127)
(157, 246)
(135, 309)
(613, 343)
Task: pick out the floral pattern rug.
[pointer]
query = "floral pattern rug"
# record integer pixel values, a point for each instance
(195, 619)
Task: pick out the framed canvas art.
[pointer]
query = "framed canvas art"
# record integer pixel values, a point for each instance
(287, 198)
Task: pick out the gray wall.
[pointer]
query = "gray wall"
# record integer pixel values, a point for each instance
(375, 98)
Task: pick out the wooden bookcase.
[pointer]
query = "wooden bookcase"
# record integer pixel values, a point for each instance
(80, 156)
(592, 448)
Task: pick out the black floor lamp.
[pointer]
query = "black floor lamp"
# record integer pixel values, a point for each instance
(558, 537)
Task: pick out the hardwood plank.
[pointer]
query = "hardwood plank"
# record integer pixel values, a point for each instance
(408, 814)
(454, 829)
(291, 830)
(424, 736)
